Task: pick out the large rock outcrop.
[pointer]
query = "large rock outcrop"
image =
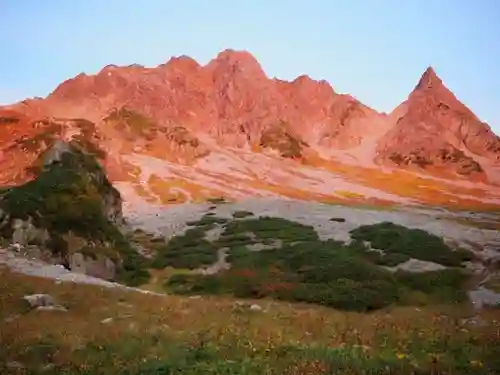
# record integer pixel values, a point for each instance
(72, 213)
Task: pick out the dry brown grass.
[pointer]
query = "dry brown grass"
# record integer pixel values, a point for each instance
(183, 319)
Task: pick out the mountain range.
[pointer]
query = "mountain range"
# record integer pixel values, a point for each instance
(186, 132)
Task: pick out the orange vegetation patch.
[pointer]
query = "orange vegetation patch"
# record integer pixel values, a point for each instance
(121, 170)
(175, 190)
(406, 184)
(143, 193)
(294, 193)
(233, 184)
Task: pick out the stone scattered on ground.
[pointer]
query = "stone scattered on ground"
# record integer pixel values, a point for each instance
(482, 297)
(43, 302)
(51, 308)
(241, 305)
(37, 300)
(255, 307)
(417, 266)
(11, 318)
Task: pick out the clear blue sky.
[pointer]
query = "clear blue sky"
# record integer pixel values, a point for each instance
(373, 49)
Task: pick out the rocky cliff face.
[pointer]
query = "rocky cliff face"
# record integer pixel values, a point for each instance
(435, 130)
(70, 211)
(230, 100)
(203, 131)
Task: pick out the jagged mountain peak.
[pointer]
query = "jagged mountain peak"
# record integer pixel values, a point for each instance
(429, 80)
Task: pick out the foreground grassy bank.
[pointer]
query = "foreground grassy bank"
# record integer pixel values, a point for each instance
(116, 332)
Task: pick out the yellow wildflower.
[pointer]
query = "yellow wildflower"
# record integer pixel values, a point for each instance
(400, 355)
(476, 363)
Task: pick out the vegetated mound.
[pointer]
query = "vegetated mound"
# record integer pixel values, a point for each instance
(72, 213)
(274, 257)
(398, 244)
(445, 156)
(280, 139)
(167, 139)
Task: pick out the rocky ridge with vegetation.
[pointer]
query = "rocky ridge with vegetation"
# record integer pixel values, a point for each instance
(70, 214)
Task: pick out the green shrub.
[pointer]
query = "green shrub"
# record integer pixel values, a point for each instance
(444, 286)
(316, 272)
(234, 240)
(392, 259)
(189, 250)
(338, 219)
(348, 294)
(414, 243)
(242, 214)
(305, 269)
(189, 284)
(207, 221)
(273, 227)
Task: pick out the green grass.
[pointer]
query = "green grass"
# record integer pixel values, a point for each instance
(205, 358)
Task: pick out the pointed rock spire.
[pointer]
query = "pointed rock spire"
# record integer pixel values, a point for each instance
(429, 80)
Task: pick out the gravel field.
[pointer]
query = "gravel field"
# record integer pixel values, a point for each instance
(172, 220)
